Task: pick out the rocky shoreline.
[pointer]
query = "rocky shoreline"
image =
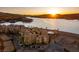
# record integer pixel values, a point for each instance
(12, 18)
(23, 36)
(23, 39)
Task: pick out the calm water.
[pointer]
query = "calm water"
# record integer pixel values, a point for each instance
(61, 24)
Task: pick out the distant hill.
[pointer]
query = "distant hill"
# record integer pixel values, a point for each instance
(58, 16)
(8, 17)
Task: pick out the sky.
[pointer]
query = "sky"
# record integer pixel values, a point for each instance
(38, 10)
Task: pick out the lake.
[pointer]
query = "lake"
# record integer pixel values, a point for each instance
(61, 24)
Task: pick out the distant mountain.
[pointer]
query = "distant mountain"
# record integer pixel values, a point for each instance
(58, 16)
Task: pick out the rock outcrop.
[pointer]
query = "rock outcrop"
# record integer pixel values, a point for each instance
(20, 38)
(29, 36)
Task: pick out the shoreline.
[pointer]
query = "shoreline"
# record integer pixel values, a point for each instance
(58, 41)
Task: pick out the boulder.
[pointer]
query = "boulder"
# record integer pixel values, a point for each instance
(45, 39)
(4, 37)
(69, 43)
(39, 39)
(28, 39)
(1, 45)
(8, 46)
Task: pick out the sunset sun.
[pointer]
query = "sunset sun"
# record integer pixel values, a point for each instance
(54, 11)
